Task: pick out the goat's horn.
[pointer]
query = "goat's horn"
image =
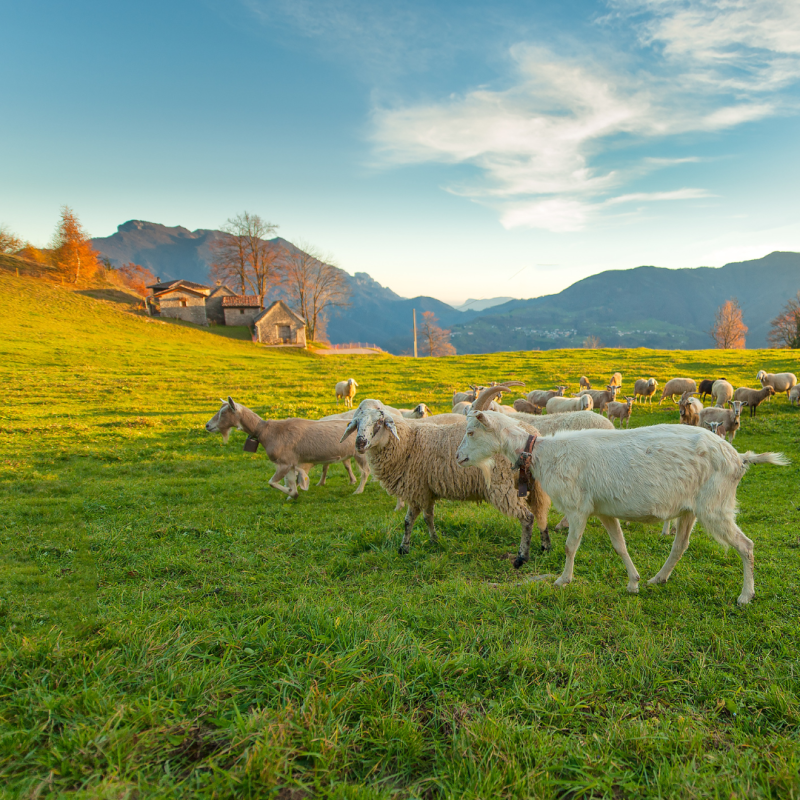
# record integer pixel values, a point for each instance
(483, 400)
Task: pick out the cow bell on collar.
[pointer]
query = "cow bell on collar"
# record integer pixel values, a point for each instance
(250, 444)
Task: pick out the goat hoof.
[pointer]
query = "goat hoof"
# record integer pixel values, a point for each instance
(519, 561)
(743, 599)
(654, 581)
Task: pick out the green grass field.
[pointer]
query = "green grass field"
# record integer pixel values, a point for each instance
(171, 627)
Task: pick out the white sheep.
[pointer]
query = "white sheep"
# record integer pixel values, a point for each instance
(565, 405)
(669, 471)
(620, 411)
(794, 394)
(779, 381)
(677, 386)
(415, 462)
(645, 388)
(347, 390)
(600, 397)
(722, 392)
(539, 397)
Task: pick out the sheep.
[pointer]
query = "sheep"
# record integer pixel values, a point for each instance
(461, 397)
(584, 382)
(645, 388)
(539, 397)
(347, 390)
(780, 381)
(689, 408)
(525, 407)
(616, 380)
(705, 386)
(677, 386)
(669, 471)
(794, 395)
(563, 405)
(620, 411)
(601, 397)
(293, 445)
(753, 397)
(420, 411)
(728, 418)
(415, 462)
(722, 392)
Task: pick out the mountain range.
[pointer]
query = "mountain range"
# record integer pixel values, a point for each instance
(640, 307)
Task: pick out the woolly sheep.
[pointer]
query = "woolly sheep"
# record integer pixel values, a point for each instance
(780, 381)
(616, 380)
(677, 386)
(565, 405)
(539, 397)
(584, 382)
(525, 407)
(645, 388)
(669, 471)
(601, 397)
(347, 390)
(722, 392)
(752, 397)
(705, 386)
(415, 462)
(794, 394)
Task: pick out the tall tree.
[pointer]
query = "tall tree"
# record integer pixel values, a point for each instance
(136, 278)
(785, 330)
(245, 257)
(9, 243)
(73, 253)
(313, 286)
(729, 330)
(435, 340)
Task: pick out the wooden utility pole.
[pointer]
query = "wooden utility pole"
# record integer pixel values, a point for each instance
(414, 310)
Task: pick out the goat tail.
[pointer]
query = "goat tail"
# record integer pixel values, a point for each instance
(778, 459)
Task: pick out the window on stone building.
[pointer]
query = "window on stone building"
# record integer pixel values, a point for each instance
(183, 304)
(241, 311)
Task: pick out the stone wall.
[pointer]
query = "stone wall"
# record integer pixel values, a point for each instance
(234, 316)
(268, 328)
(172, 305)
(214, 310)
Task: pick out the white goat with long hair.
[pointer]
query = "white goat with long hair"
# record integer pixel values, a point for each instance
(669, 471)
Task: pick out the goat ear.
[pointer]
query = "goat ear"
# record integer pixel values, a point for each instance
(351, 426)
(231, 404)
(481, 417)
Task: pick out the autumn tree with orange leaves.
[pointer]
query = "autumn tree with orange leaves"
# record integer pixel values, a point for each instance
(785, 330)
(73, 254)
(729, 330)
(435, 340)
(136, 278)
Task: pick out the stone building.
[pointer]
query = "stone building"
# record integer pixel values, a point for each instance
(279, 325)
(241, 309)
(181, 299)
(214, 304)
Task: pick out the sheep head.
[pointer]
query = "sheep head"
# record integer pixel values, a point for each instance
(373, 424)
(483, 400)
(227, 418)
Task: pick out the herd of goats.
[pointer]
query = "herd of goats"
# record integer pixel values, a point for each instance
(545, 448)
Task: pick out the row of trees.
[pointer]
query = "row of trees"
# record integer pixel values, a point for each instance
(247, 261)
(729, 330)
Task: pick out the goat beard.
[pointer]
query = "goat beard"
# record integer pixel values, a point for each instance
(487, 467)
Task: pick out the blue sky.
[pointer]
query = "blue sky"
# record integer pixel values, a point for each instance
(456, 149)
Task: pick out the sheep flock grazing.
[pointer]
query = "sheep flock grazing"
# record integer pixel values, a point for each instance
(474, 448)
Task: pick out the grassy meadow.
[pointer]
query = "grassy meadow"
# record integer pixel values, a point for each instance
(172, 627)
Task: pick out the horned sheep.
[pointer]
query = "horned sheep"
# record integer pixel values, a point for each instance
(645, 388)
(677, 386)
(347, 390)
(672, 471)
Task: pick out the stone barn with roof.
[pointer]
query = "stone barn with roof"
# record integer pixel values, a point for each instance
(241, 309)
(181, 299)
(279, 325)
(214, 304)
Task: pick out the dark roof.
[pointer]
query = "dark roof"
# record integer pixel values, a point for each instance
(242, 300)
(165, 286)
(285, 308)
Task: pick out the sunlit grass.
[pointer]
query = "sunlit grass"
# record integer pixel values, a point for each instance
(170, 626)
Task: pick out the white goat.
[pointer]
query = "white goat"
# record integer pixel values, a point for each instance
(347, 390)
(669, 470)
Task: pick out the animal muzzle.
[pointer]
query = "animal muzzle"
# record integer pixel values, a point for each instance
(361, 443)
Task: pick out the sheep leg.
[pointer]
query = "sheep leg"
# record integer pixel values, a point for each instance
(428, 515)
(577, 524)
(400, 504)
(363, 468)
(411, 517)
(612, 526)
(679, 545)
(348, 468)
(324, 477)
(524, 553)
(281, 471)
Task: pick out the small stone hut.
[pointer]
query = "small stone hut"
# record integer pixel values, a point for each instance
(279, 325)
(241, 309)
(181, 299)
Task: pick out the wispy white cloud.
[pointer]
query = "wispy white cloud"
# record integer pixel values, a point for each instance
(537, 143)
